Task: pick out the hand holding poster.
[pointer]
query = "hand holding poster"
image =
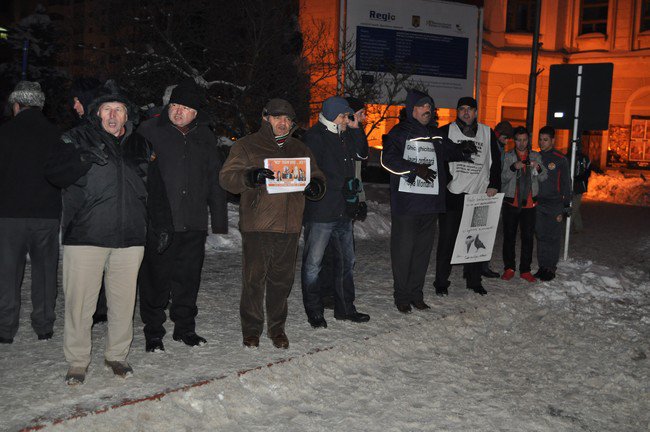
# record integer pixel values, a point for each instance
(422, 151)
(291, 175)
(478, 228)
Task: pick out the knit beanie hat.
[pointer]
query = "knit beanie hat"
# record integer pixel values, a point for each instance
(335, 105)
(468, 101)
(278, 107)
(28, 93)
(504, 128)
(355, 104)
(187, 93)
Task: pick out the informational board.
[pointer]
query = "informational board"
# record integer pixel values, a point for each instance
(432, 41)
(422, 151)
(291, 175)
(478, 228)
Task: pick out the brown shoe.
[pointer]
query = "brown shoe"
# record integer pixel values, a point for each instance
(120, 368)
(76, 375)
(252, 341)
(280, 341)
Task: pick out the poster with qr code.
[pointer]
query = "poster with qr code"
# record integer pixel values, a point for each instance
(478, 228)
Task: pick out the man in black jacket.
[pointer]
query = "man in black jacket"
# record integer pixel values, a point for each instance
(553, 204)
(417, 194)
(103, 165)
(336, 140)
(483, 175)
(30, 209)
(189, 162)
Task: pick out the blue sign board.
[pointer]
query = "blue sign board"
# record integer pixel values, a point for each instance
(411, 53)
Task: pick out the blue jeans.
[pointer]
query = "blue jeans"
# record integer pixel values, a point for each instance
(317, 236)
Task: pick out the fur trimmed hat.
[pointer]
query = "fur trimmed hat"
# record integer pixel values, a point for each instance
(28, 93)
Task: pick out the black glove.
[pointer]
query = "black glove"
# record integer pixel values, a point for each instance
(567, 212)
(362, 211)
(164, 240)
(93, 155)
(467, 147)
(315, 190)
(258, 176)
(425, 173)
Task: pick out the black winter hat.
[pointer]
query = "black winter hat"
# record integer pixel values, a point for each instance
(468, 101)
(187, 93)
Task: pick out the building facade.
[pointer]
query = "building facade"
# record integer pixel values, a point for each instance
(571, 32)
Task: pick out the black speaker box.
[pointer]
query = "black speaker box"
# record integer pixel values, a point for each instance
(595, 96)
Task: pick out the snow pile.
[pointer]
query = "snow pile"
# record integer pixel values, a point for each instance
(616, 187)
(376, 225)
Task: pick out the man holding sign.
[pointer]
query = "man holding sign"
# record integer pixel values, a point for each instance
(414, 154)
(270, 224)
(481, 176)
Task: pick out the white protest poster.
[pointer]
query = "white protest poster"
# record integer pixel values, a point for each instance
(291, 174)
(422, 151)
(478, 228)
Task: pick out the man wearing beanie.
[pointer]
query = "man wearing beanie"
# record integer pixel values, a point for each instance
(336, 141)
(30, 209)
(327, 278)
(413, 212)
(482, 175)
(269, 223)
(189, 161)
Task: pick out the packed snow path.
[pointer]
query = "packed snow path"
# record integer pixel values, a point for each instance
(567, 355)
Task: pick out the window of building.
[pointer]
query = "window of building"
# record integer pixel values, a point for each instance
(593, 16)
(520, 16)
(515, 115)
(645, 15)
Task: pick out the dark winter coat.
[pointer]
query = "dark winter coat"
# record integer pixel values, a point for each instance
(190, 165)
(392, 159)
(25, 144)
(108, 205)
(260, 211)
(556, 189)
(335, 155)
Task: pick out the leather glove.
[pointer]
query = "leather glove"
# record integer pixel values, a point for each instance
(164, 240)
(362, 211)
(566, 212)
(93, 155)
(425, 173)
(258, 176)
(467, 147)
(315, 190)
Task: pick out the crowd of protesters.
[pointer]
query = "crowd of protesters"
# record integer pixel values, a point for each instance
(130, 201)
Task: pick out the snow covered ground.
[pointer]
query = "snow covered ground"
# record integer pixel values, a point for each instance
(566, 355)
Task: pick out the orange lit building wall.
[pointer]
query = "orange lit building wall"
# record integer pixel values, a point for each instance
(505, 68)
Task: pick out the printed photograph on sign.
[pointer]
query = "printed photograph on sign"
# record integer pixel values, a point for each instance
(478, 228)
(291, 175)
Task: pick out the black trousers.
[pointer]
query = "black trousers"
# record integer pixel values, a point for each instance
(411, 243)
(524, 219)
(173, 275)
(268, 267)
(449, 224)
(548, 230)
(39, 238)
